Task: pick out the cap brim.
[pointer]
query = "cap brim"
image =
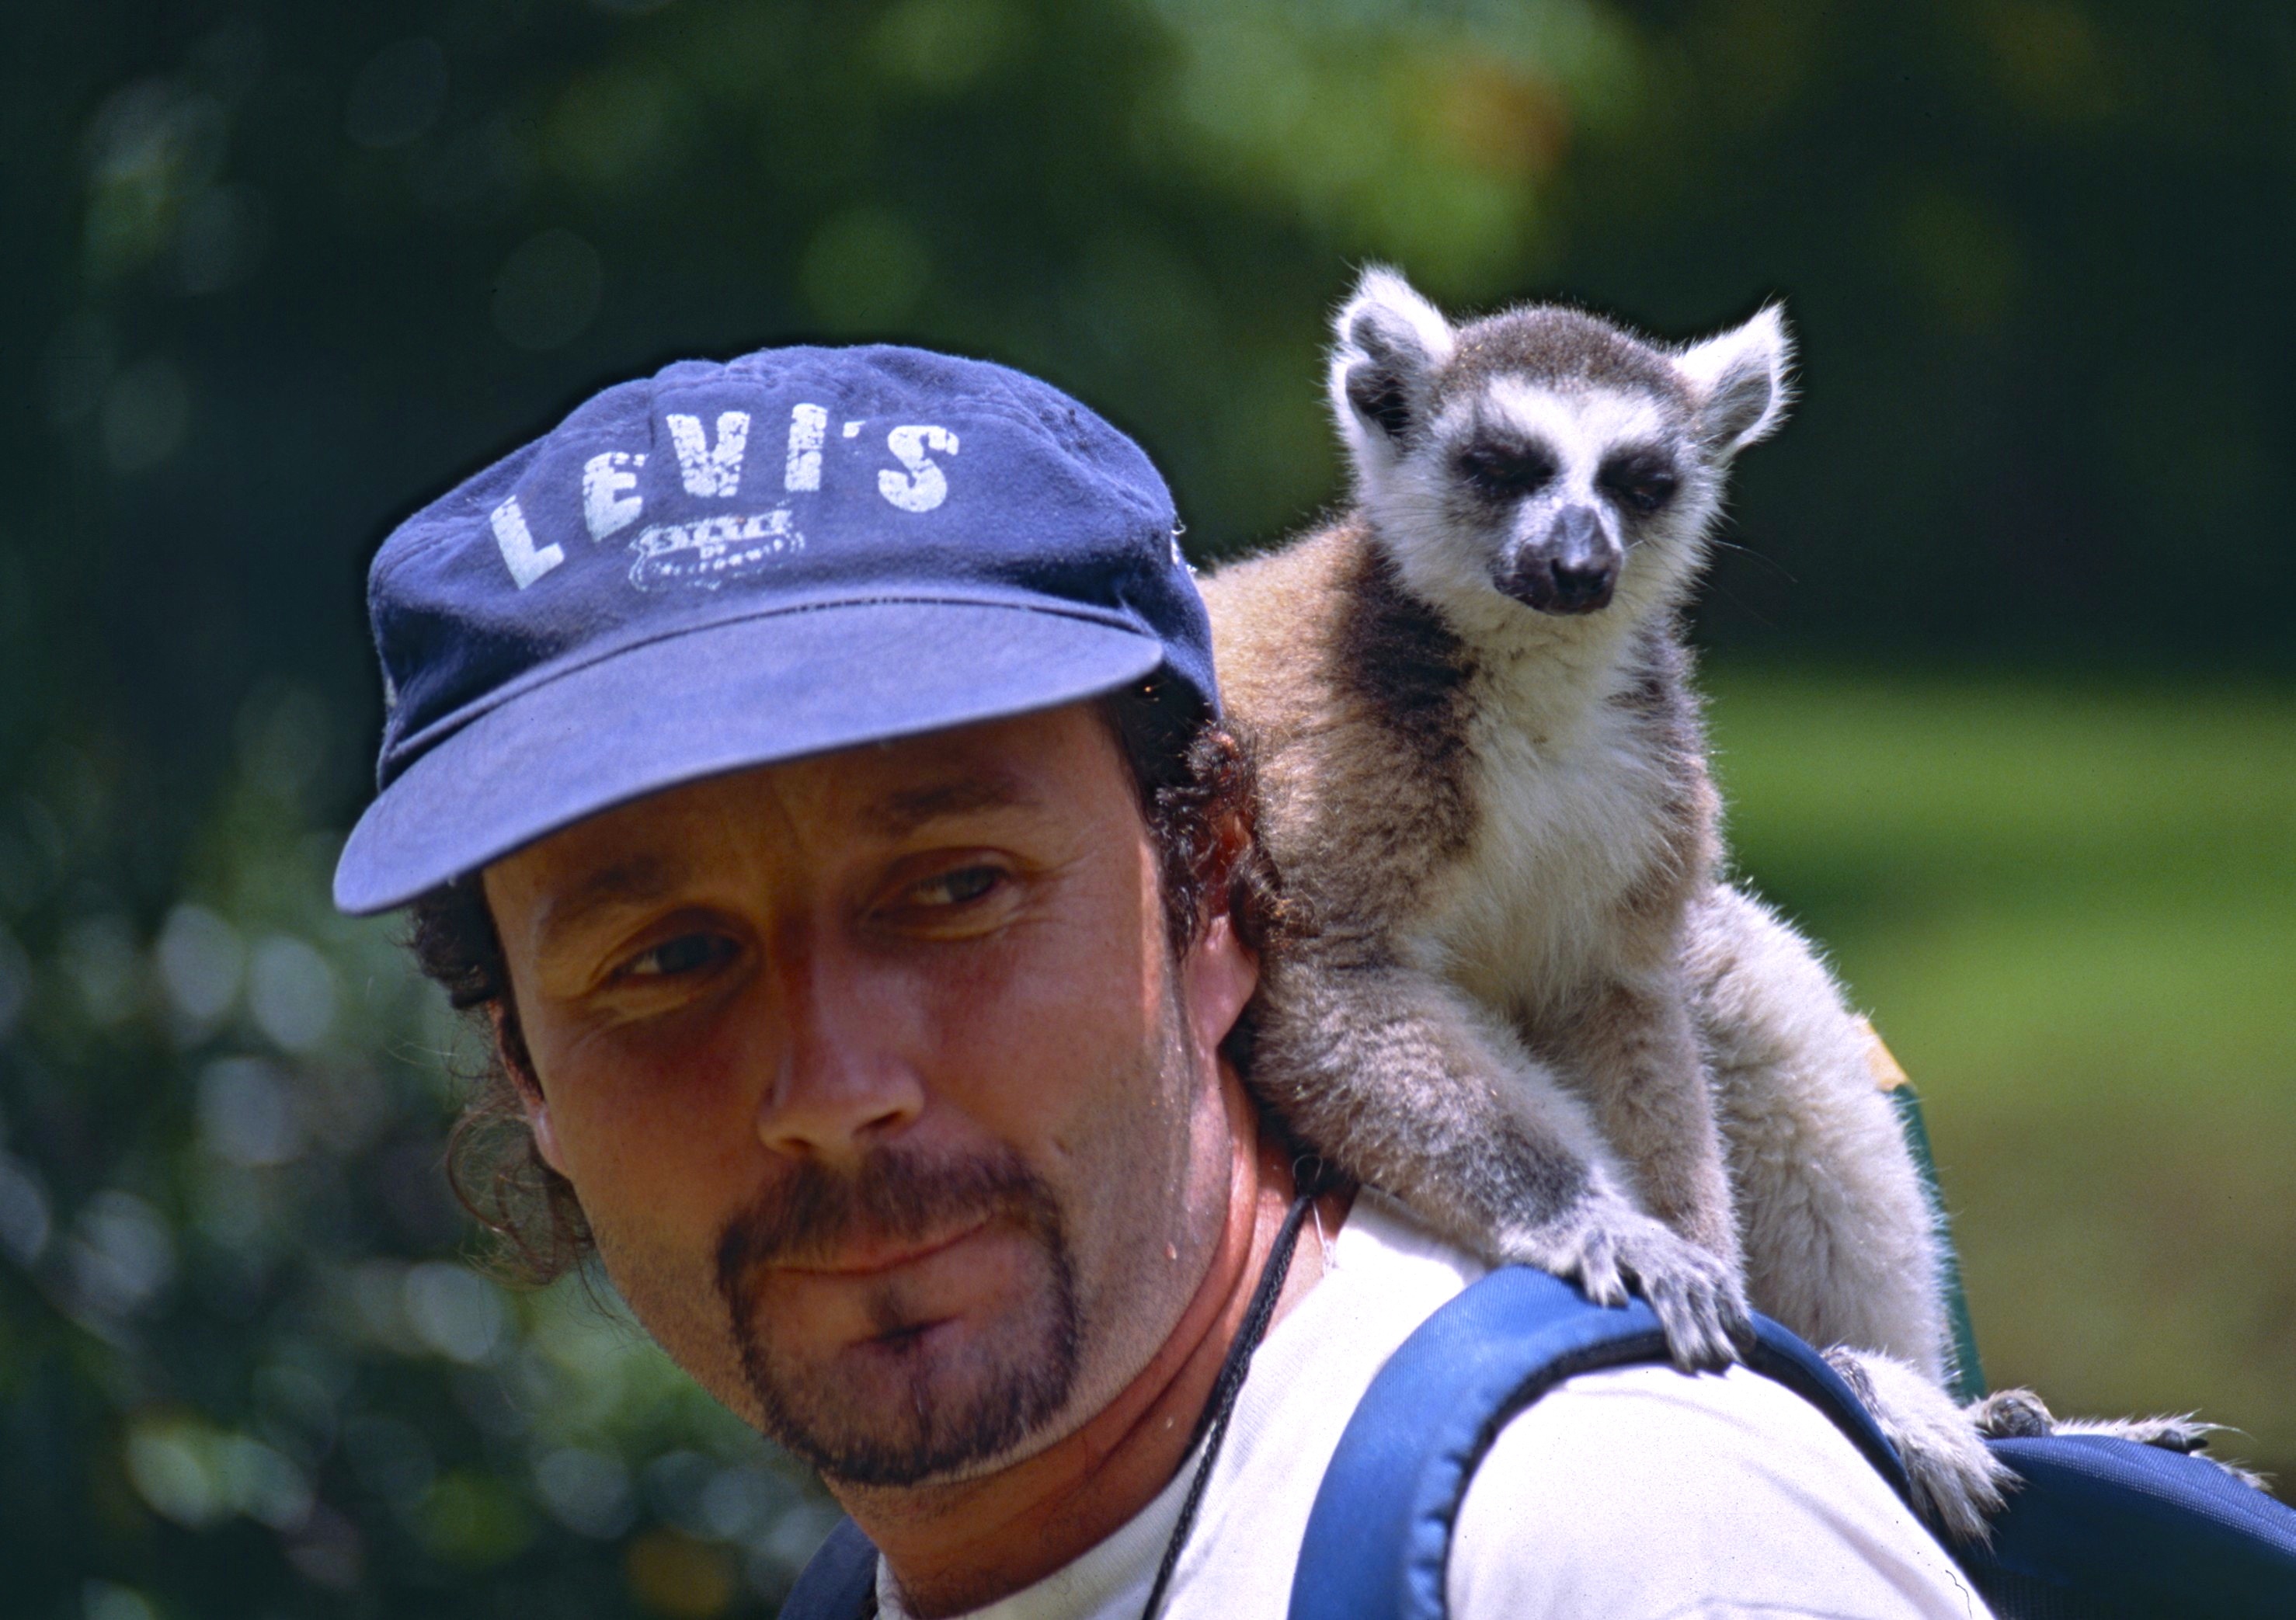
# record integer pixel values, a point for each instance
(753, 691)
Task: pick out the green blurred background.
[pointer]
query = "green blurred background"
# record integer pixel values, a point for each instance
(2003, 684)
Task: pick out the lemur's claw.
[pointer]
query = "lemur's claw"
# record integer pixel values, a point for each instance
(2012, 1414)
(1700, 1301)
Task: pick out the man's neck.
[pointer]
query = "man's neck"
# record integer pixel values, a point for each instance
(972, 1544)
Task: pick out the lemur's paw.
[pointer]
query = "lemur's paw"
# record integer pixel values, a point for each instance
(2012, 1414)
(1700, 1301)
(1957, 1483)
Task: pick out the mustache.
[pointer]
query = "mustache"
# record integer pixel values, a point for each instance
(811, 1213)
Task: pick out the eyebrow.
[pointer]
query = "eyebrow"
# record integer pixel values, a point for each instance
(634, 883)
(643, 880)
(900, 814)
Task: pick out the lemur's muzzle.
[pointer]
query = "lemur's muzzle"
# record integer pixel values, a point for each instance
(1571, 566)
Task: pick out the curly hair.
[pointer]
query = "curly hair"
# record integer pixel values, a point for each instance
(1197, 794)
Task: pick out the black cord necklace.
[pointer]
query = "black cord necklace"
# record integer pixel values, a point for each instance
(1211, 1428)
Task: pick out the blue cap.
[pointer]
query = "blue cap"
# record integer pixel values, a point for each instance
(725, 566)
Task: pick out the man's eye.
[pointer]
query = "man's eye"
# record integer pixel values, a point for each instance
(687, 953)
(954, 887)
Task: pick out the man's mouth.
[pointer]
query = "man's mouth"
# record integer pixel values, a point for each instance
(911, 1316)
(872, 1259)
(904, 1339)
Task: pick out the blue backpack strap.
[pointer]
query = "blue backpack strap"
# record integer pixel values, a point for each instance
(1379, 1536)
(2105, 1529)
(838, 1582)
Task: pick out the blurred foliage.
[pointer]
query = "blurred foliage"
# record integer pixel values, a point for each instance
(2068, 905)
(275, 273)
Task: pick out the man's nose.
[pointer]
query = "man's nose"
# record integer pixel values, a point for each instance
(841, 1085)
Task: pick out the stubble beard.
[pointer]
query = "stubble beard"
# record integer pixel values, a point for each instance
(1041, 1357)
(945, 1419)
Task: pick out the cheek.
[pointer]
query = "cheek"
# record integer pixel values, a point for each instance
(660, 1142)
(1027, 1033)
(618, 1099)
(659, 1151)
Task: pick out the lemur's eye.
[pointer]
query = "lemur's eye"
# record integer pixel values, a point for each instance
(1641, 481)
(1505, 471)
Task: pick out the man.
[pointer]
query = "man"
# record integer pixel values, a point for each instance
(812, 766)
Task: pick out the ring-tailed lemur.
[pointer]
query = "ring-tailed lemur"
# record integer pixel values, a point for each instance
(1520, 999)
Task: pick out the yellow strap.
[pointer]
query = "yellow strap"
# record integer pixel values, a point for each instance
(1887, 1076)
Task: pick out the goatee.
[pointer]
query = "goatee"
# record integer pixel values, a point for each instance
(946, 1422)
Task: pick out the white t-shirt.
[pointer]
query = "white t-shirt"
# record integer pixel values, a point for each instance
(1635, 1493)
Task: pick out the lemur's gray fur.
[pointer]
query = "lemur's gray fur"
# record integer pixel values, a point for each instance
(1517, 995)
(1512, 990)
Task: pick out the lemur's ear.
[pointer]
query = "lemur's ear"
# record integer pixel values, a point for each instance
(1742, 382)
(1388, 338)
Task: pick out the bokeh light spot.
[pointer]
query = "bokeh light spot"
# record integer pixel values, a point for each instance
(942, 44)
(291, 994)
(679, 1577)
(456, 1311)
(25, 1221)
(202, 962)
(171, 1464)
(865, 269)
(146, 412)
(104, 1600)
(220, 239)
(122, 1255)
(397, 96)
(586, 1491)
(608, 129)
(247, 1114)
(474, 1521)
(548, 291)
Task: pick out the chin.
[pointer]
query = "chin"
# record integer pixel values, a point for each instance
(926, 1393)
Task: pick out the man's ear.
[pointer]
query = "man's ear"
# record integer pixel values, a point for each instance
(1220, 972)
(1387, 341)
(1742, 382)
(510, 1051)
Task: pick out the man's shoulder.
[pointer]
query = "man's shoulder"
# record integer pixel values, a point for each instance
(1643, 1492)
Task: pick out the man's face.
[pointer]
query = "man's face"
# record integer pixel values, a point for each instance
(895, 1120)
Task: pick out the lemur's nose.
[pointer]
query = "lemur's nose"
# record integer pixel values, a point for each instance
(1585, 561)
(1570, 565)
(1579, 585)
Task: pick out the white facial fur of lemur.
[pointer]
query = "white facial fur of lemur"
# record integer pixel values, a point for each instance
(1543, 458)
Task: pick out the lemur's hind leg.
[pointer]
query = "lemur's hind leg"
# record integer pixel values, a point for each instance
(1415, 1089)
(1957, 1481)
(1840, 1243)
(1839, 1238)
